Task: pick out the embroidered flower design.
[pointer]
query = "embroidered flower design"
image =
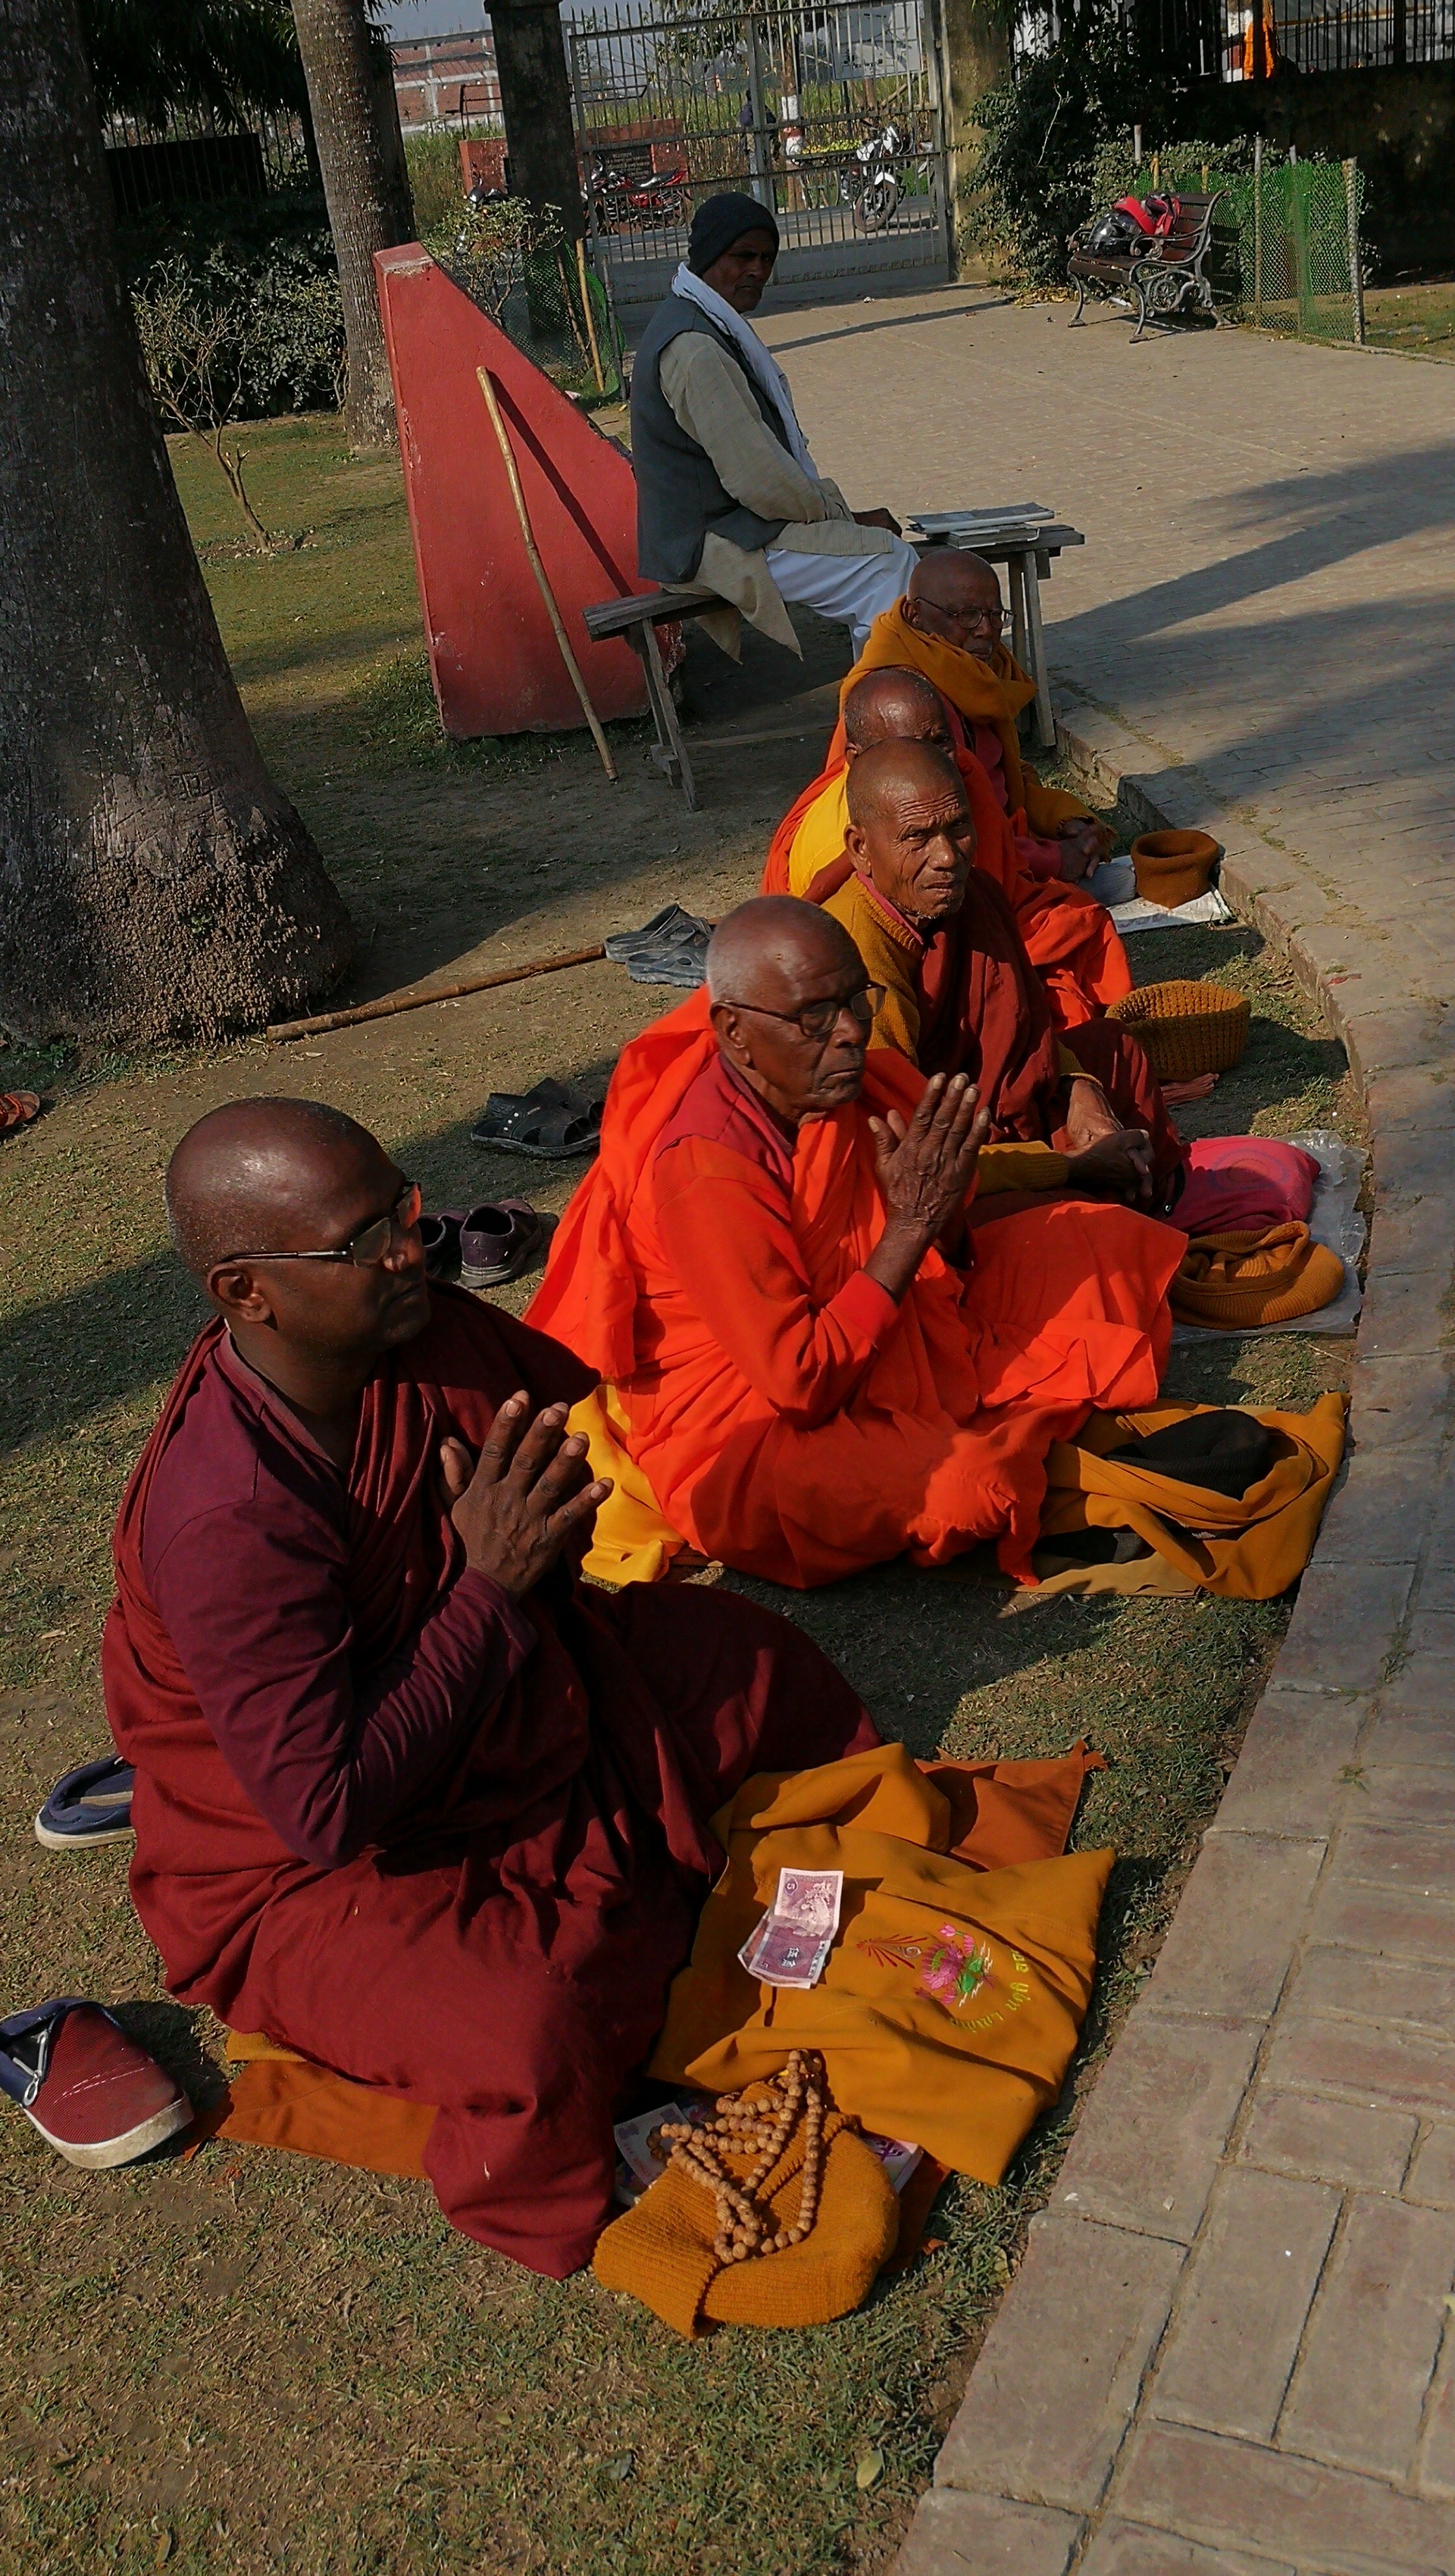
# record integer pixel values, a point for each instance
(953, 1967)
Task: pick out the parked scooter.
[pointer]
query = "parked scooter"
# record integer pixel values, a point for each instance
(870, 180)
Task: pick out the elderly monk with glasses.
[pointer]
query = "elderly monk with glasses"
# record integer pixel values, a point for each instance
(948, 626)
(409, 1799)
(808, 1361)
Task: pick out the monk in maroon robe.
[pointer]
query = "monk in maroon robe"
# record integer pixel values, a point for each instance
(409, 1799)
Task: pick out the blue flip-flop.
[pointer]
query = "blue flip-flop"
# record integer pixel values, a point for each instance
(90, 1805)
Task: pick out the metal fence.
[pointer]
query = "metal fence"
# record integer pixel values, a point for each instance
(830, 116)
(1355, 35)
(194, 159)
(1298, 258)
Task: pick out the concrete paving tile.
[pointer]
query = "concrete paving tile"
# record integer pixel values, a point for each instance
(1383, 2297)
(1059, 2377)
(1397, 1922)
(1286, 1779)
(1147, 2147)
(1400, 1402)
(955, 2534)
(1381, 1511)
(1131, 2549)
(1241, 2312)
(1238, 2494)
(1431, 2177)
(1236, 1925)
(1398, 1794)
(1417, 1859)
(1404, 1311)
(1413, 1734)
(1405, 2069)
(1350, 1985)
(1337, 2142)
(1343, 1628)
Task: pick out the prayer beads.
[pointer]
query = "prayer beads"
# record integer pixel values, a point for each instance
(758, 2123)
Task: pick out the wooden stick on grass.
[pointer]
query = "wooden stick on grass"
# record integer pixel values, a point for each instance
(538, 568)
(394, 1002)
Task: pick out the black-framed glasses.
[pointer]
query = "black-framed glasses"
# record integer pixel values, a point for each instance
(994, 620)
(367, 1248)
(820, 1019)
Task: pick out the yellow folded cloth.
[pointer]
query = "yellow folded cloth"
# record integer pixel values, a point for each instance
(631, 1542)
(1250, 1279)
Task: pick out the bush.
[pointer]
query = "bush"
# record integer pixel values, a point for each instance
(434, 175)
(266, 280)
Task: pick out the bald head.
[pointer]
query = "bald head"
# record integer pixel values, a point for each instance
(790, 1007)
(249, 1174)
(956, 597)
(893, 704)
(910, 829)
(768, 948)
(890, 773)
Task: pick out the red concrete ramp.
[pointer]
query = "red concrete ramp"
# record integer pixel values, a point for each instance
(495, 663)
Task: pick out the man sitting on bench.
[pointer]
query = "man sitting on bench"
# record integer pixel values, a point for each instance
(728, 495)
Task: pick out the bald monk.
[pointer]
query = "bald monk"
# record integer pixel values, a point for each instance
(948, 627)
(1069, 937)
(408, 1799)
(1082, 1113)
(765, 1266)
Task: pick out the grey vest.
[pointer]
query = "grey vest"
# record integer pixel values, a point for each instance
(679, 497)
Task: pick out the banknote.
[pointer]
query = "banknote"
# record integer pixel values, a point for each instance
(791, 1944)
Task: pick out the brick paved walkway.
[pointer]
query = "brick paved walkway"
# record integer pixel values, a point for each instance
(1231, 2344)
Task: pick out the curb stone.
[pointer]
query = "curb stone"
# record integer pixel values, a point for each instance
(1156, 2394)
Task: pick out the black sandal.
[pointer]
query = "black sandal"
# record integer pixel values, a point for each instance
(549, 1124)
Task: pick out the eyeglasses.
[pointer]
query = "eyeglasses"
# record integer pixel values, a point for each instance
(367, 1248)
(994, 620)
(820, 1019)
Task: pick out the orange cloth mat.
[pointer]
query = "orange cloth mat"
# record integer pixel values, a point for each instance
(953, 1996)
(996, 1812)
(1246, 1548)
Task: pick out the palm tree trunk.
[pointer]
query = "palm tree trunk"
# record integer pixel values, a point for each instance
(535, 102)
(153, 880)
(367, 210)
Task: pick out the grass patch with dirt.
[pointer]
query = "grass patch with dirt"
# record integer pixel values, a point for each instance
(251, 2360)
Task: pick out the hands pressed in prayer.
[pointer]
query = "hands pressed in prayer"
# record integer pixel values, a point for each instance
(517, 1505)
(925, 1171)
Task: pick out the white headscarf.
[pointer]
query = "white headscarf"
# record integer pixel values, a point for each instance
(758, 360)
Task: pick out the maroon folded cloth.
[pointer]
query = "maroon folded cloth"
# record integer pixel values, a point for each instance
(1244, 1183)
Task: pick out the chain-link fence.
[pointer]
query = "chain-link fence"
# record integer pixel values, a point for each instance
(542, 290)
(1296, 253)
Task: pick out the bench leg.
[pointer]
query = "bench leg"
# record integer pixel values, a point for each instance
(1141, 317)
(1020, 634)
(1045, 719)
(1080, 304)
(669, 752)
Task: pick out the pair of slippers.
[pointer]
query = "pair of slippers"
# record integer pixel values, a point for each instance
(484, 1246)
(671, 948)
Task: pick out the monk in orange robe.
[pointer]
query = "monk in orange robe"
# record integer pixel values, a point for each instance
(767, 1266)
(948, 627)
(1068, 936)
(940, 946)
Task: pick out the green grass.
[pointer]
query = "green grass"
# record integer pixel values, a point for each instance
(1419, 317)
(250, 2360)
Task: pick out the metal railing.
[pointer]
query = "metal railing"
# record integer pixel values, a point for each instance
(194, 158)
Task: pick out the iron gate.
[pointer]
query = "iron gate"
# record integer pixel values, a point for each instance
(831, 116)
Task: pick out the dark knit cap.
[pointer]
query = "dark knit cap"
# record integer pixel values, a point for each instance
(719, 222)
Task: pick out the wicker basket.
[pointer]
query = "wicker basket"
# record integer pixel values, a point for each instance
(1174, 867)
(1186, 1029)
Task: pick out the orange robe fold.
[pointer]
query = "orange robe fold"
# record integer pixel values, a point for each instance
(1068, 935)
(790, 1418)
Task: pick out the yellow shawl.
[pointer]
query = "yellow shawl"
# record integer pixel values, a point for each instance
(985, 693)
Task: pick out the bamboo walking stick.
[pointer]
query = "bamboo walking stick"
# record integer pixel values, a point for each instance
(590, 317)
(392, 1003)
(507, 453)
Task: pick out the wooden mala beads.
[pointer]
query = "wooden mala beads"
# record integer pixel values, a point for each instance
(758, 2122)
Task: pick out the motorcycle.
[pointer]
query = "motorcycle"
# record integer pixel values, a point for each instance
(623, 198)
(870, 182)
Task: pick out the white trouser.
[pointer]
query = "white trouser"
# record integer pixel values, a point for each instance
(852, 590)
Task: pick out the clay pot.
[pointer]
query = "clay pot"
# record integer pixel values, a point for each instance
(1174, 867)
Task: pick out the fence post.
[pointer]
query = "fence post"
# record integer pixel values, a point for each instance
(1258, 230)
(1356, 268)
(1298, 215)
(760, 182)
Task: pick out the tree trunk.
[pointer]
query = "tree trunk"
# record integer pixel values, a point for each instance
(976, 57)
(535, 101)
(365, 213)
(153, 880)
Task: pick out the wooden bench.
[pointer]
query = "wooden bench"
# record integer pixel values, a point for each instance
(636, 620)
(1158, 278)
